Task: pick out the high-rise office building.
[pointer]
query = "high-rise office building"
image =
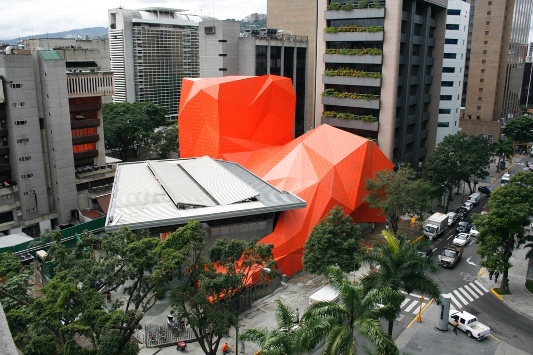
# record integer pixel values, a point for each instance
(496, 52)
(151, 51)
(225, 52)
(453, 68)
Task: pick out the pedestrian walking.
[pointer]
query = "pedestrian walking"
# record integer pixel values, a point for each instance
(372, 226)
(455, 324)
(297, 316)
(491, 272)
(242, 347)
(496, 275)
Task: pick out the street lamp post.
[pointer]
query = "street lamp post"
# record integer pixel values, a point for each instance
(265, 270)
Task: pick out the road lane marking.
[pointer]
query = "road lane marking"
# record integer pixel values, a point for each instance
(466, 294)
(476, 289)
(404, 302)
(411, 306)
(471, 263)
(460, 297)
(471, 291)
(481, 285)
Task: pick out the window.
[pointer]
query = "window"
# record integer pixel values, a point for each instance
(222, 40)
(490, 137)
(449, 26)
(447, 83)
(479, 98)
(26, 176)
(29, 192)
(479, 108)
(483, 61)
(482, 70)
(20, 122)
(484, 51)
(487, 23)
(15, 86)
(33, 209)
(222, 55)
(446, 97)
(481, 80)
(480, 89)
(443, 124)
(489, 13)
(454, 12)
(448, 70)
(450, 55)
(23, 140)
(450, 41)
(490, 2)
(222, 69)
(26, 158)
(486, 32)
(445, 111)
(485, 42)
(18, 104)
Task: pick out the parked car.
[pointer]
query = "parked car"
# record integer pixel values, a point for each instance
(505, 178)
(425, 251)
(469, 324)
(452, 218)
(485, 189)
(461, 239)
(468, 206)
(462, 213)
(463, 226)
(473, 232)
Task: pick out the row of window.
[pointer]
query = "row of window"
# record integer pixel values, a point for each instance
(447, 111)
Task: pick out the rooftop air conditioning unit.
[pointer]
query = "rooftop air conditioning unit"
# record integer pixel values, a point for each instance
(209, 30)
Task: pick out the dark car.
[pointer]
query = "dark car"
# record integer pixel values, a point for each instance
(485, 189)
(463, 226)
(462, 213)
(425, 251)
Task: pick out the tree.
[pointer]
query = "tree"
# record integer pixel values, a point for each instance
(397, 193)
(503, 148)
(333, 241)
(163, 141)
(401, 268)
(520, 129)
(357, 312)
(209, 293)
(281, 340)
(14, 281)
(129, 125)
(457, 158)
(509, 209)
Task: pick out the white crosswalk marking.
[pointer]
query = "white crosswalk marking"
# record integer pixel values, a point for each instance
(481, 285)
(470, 291)
(417, 309)
(460, 297)
(467, 295)
(411, 306)
(474, 287)
(404, 302)
(455, 302)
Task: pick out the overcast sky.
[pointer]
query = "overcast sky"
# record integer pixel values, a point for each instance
(32, 17)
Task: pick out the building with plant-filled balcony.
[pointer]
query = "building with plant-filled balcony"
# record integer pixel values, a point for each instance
(379, 72)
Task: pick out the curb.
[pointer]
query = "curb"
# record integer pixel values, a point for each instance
(496, 294)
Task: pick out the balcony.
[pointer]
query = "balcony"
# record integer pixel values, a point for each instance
(86, 154)
(88, 84)
(85, 123)
(350, 80)
(356, 59)
(353, 124)
(350, 102)
(355, 13)
(5, 168)
(7, 190)
(85, 139)
(353, 37)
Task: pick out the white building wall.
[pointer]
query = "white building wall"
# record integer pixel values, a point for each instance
(450, 110)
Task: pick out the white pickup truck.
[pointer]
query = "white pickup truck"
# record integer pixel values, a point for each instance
(468, 323)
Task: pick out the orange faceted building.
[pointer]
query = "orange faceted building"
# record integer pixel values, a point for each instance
(325, 167)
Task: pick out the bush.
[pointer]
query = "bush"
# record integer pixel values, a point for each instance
(363, 4)
(352, 72)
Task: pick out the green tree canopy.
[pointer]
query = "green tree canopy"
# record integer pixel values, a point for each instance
(333, 241)
(401, 268)
(520, 129)
(503, 148)
(398, 193)
(163, 141)
(509, 209)
(130, 125)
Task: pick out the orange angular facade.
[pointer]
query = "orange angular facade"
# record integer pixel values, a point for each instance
(325, 167)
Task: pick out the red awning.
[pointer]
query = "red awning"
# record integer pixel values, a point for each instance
(103, 201)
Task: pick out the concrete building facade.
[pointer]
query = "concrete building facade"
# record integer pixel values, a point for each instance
(151, 51)
(226, 52)
(455, 44)
(496, 52)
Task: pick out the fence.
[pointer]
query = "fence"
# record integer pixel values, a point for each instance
(155, 335)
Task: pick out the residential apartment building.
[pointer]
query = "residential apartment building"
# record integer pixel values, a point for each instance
(455, 43)
(226, 52)
(496, 52)
(151, 51)
(51, 128)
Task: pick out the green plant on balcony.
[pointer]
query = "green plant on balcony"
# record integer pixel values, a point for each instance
(363, 4)
(355, 51)
(349, 116)
(334, 6)
(352, 72)
(378, 4)
(354, 28)
(347, 6)
(349, 95)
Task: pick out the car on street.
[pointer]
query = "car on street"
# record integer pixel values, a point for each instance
(468, 206)
(462, 213)
(473, 232)
(505, 178)
(463, 226)
(452, 218)
(469, 324)
(461, 239)
(425, 251)
(450, 255)
(485, 189)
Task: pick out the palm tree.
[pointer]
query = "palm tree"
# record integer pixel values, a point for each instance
(337, 323)
(401, 268)
(502, 148)
(282, 340)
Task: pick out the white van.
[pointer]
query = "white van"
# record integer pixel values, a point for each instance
(474, 198)
(325, 294)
